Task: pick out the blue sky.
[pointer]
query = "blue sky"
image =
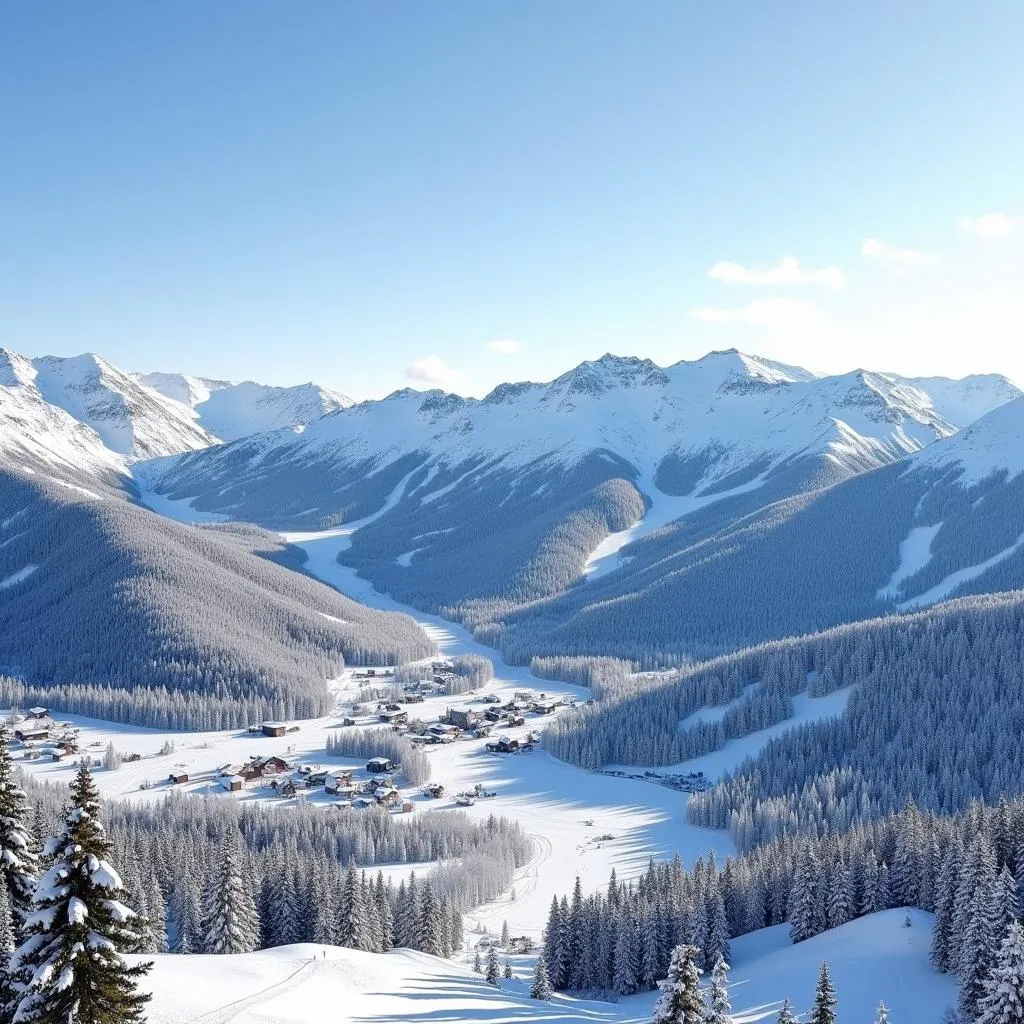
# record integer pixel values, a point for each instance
(374, 194)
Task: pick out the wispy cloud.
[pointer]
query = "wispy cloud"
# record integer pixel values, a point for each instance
(894, 257)
(505, 346)
(991, 225)
(786, 271)
(762, 313)
(433, 369)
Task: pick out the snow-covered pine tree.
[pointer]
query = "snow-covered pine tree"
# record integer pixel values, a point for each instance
(112, 758)
(977, 954)
(352, 927)
(882, 1014)
(507, 971)
(825, 1002)
(184, 915)
(624, 970)
(18, 863)
(1003, 1002)
(230, 921)
(541, 987)
(80, 908)
(428, 925)
(504, 934)
(786, 1015)
(806, 917)
(681, 1001)
(478, 966)
(492, 972)
(719, 1011)
(1004, 907)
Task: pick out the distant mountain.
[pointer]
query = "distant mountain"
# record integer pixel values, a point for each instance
(231, 411)
(500, 505)
(965, 400)
(133, 420)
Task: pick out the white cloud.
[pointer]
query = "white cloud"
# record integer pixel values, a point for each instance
(890, 255)
(505, 346)
(433, 369)
(786, 271)
(991, 225)
(762, 313)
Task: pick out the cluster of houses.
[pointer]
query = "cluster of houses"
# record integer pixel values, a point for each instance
(276, 774)
(42, 736)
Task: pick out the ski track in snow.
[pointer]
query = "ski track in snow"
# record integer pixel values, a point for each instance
(17, 577)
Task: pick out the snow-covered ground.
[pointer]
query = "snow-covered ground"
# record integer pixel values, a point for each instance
(873, 959)
(662, 509)
(915, 553)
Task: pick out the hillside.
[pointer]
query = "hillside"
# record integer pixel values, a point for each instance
(128, 599)
(872, 959)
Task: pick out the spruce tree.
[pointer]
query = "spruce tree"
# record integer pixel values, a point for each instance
(507, 972)
(18, 863)
(1003, 1002)
(492, 972)
(352, 926)
(478, 967)
(80, 906)
(882, 1014)
(786, 1015)
(541, 987)
(230, 921)
(681, 1001)
(719, 1012)
(825, 1002)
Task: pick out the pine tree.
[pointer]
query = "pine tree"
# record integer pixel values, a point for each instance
(681, 1001)
(825, 1002)
(786, 1015)
(18, 864)
(504, 934)
(1003, 1002)
(541, 987)
(492, 972)
(80, 904)
(624, 972)
(882, 1014)
(805, 905)
(507, 972)
(230, 921)
(719, 1012)
(352, 927)
(478, 967)
(428, 928)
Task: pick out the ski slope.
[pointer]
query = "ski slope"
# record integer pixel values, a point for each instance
(872, 959)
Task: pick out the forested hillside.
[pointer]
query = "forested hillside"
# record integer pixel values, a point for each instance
(935, 713)
(97, 591)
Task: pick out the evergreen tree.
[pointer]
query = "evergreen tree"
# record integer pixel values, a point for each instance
(719, 1012)
(882, 1014)
(492, 972)
(18, 864)
(624, 971)
(541, 987)
(504, 934)
(805, 905)
(478, 966)
(825, 1002)
(230, 921)
(507, 972)
(428, 930)
(80, 905)
(352, 927)
(786, 1015)
(1003, 1002)
(681, 1001)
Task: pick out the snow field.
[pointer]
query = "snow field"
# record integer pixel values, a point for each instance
(871, 959)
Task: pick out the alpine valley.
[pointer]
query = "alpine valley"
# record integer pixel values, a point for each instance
(512, 708)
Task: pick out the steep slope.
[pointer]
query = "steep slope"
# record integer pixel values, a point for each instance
(231, 411)
(132, 419)
(38, 437)
(128, 599)
(963, 401)
(946, 521)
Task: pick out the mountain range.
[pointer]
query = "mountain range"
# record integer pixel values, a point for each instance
(624, 507)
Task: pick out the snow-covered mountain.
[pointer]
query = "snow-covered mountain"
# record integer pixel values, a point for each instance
(712, 424)
(231, 411)
(965, 400)
(36, 436)
(131, 419)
